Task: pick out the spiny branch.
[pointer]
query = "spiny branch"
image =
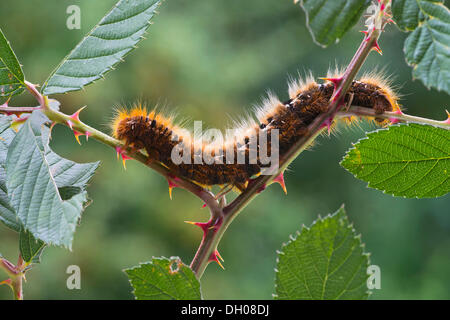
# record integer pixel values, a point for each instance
(393, 117)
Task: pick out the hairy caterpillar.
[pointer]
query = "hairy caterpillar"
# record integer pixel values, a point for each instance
(139, 129)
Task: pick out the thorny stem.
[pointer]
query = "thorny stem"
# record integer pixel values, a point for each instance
(392, 116)
(17, 110)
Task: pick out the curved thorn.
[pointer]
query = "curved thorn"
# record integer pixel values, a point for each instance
(335, 81)
(214, 258)
(76, 115)
(7, 282)
(377, 48)
(77, 135)
(171, 186)
(119, 152)
(280, 180)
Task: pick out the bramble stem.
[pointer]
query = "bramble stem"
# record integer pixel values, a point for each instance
(402, 117)
(17, 110)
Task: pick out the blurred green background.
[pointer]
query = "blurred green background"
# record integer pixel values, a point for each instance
(212, 60)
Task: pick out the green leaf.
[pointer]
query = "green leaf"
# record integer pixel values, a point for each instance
(11, 75)
(329, 20)
(426, 48)
(68, 173)
(71, 178)
(324, 262)
(407, 160)
(164, 279)
(30, 248)
(34, 178)
(408, 14)
(105, 46)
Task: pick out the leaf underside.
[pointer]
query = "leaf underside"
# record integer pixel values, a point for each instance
(164, 279)
(328, 21)
(410, 161)
(427, 47)
(7, 213)
(324, 262)
(43, 193)
(105, 46)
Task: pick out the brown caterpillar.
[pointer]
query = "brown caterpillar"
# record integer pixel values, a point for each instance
(139, 129)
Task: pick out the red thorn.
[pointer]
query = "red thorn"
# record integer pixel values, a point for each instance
(377, 48)
(7, 282)
(219, 256)
(280, 180)
(383, 6)
(335, 81)
(366, 34)
(87, 134)
(215, 258)
(76, 115)
(203, 225)
(204, 205)
(172, 185)
(124, 159)
(206, 226)
(121, 153)
(70, 124)
(77, 134)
